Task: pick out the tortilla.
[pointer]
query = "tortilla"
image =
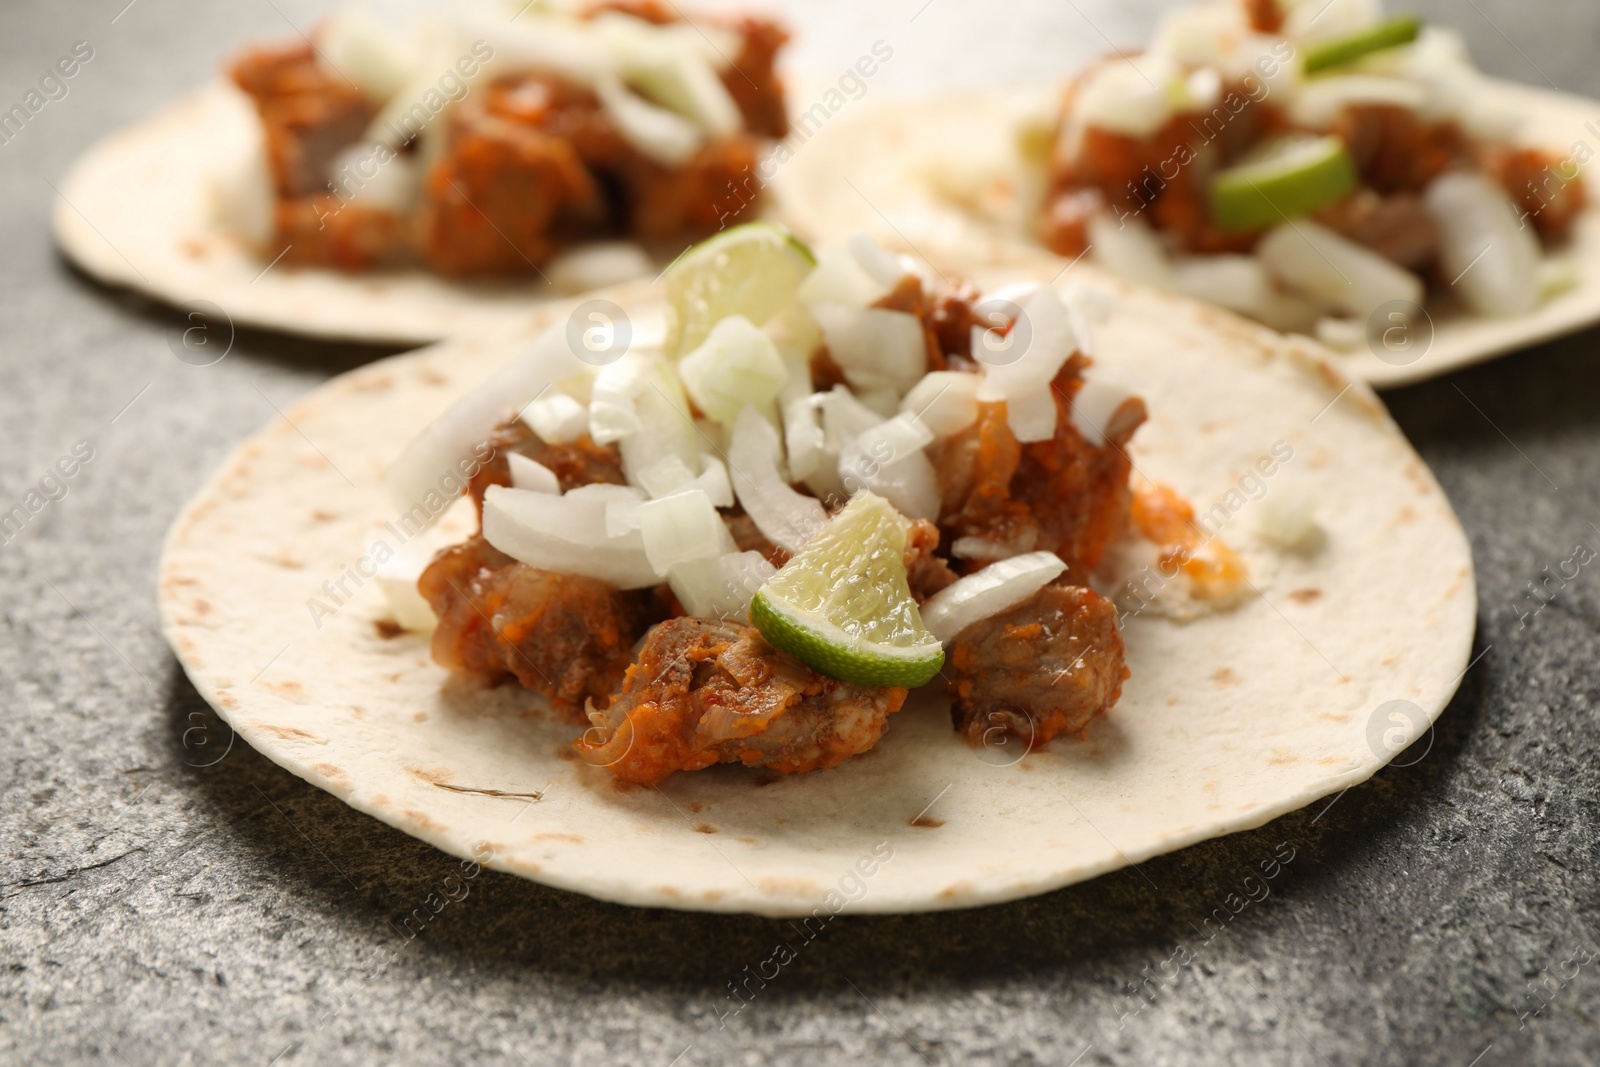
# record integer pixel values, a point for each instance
(942, 175)
(1350, 650)
(138, 210)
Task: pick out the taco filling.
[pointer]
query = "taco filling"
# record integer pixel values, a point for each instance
(1309, 164)
(827, 484)
(490, 147)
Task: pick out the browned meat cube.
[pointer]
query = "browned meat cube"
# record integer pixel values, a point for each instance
(310, 113)
(704, 692)
(321, 230)
(1047, 666)
(708, 192)
(577, 463)
(1545, 187)
(562, 635)
(1397, 227)
(1396, 151)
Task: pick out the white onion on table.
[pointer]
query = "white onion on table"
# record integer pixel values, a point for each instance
(994, 589)
(1490, 256)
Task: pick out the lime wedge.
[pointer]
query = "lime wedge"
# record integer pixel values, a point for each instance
(842, 606)
(1287, 178)
(1391, 33)
(751, 270)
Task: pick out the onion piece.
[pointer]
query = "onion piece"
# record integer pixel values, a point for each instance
(981, 548)
(874, 346)
(665, 427)
(456, 442)
(787, 518)
(736, 366)
(844, 418)
(992, 590)
(873, 259)
(374, 175)
(1096, 403)
(1236, 282)
(597, 265)
(1490, 255)
(613, 413)
(720, 587)
(1323, 20)
(839, 279)
(682, 527)
(360, 48)
(888, 459)
(568, 533)
(1044, 333)
(1287, 514)
(1334, 270)
(1320, 100)
(655, 132)
(243, 200)
(557, 418)
(945, 401)
(1130, 95)
(532, 475)
(1130, 249)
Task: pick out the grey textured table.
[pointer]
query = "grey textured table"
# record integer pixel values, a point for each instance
(156, 911)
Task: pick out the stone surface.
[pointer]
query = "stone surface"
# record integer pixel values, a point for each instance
(156, 911)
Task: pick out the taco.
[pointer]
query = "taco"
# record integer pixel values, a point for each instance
(816, 564)
(365, 184)
(1315, 166)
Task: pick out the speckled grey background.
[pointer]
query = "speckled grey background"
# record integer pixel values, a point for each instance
(155, 912)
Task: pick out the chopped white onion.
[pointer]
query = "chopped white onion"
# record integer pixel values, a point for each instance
(682, 527)
(874, 346)
(374, 175)
(532, 475)
(1309, 21)
(1335, 270)
(670, 475)
(944, 401)
(979, 548)
(844, 418)
(654, 132)
(1342, 335)
(1201, 35)
(1239, 283)
(992, 590)
(449, 446)
(665, 427)
(897, 437)
(597, 265)
(878, 264)
(243, 200)
(1032, 414)
(1096, 404)
(787, 518)
(622, 516)
(720, 587)
(714, 482)
(1044, 333)
(359, 48)
(1131, 96)
(1286, 516)
(888, 459)
(613, 413)
(735, 366)
(1130, 249)
(568, 533)
(1490, 256)
(557, 418)
(839, 279)
(1320, 100)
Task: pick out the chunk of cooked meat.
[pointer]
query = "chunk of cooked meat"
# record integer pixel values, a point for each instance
(711, 189)
(1064, 225)
(952, 319)
(1396, 151)
(1062, 495)
(1045, 667)
(324, 231)
(577, 463)
(507, 191)
(1397, 227)
(926, 570)
(562, 635)
(704, 692)
(1264, 16)
(310, 113)
(1547, 189)
(749, 538)
(907, 297)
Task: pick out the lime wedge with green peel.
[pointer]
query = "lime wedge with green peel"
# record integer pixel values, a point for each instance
(751, 270)
(842, 606)
(1285, 179)
(1391, 33)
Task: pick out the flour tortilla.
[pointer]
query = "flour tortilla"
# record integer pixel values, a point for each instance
(139, 210)
(1227, 722)
(943, 174)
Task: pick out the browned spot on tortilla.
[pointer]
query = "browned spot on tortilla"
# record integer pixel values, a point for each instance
(179, 579)
(1283, 758)
(713, 894)
(1306, 596)
(419, 716)
(318, 515)
(202, 607)
(1214, 425)
(1332, 716)
(423, 820)
(192, 248)
(433, 377)
(704, 828)
(571, 839)
(438, 777)
(330, 770)
(925, 822)
(1223, 677)
(372, 383)
(288, 732)
(388, 629)
(955, 889)
(746, 840)
(696, 806)
(1172, 702)
(798, 886)
(227, 700)
(289, 688)
(1330, 761)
